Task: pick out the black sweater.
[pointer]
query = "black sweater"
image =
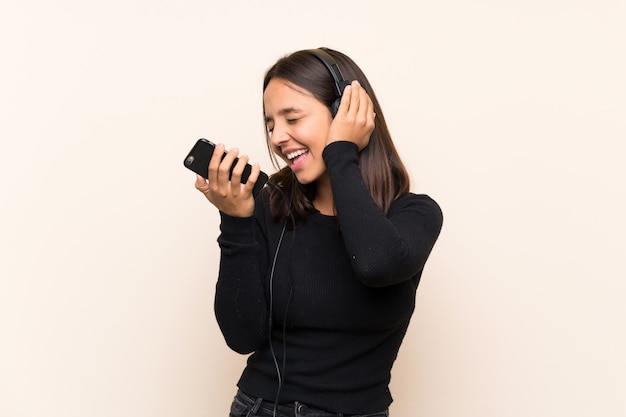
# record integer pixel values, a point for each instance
(341, 293)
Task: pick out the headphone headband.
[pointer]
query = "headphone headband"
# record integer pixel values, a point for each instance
(329, 62)
(338, 81)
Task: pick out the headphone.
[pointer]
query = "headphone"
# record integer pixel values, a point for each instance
(338, 81)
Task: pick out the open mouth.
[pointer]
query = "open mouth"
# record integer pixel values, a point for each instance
(293, 155)
(297, 158)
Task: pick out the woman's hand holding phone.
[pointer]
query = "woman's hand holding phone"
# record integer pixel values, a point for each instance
(225, 190)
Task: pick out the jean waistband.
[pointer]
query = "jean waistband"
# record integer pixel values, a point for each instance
(258, 407)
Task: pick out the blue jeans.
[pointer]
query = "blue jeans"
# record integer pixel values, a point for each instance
(246, 406)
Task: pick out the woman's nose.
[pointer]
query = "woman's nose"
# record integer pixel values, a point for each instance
(279, 136)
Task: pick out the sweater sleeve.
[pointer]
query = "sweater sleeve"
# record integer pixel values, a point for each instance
(240, 304)
(383, 249)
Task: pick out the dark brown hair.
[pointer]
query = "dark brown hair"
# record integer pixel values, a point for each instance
(383, 171)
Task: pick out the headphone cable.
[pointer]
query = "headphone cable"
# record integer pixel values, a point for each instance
(279, 373)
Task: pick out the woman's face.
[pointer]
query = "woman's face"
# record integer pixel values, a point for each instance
(298, 125)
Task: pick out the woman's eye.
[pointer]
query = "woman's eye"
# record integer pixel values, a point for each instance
(292, 121)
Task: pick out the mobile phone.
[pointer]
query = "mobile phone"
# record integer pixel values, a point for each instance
(199, 156)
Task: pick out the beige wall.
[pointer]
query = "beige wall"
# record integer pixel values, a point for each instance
(510, 113)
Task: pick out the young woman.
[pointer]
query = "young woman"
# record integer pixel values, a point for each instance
(318, 274)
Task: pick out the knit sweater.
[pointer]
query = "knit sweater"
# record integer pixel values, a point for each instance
(332, 307)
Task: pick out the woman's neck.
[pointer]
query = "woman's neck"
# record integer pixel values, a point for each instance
(324, 201)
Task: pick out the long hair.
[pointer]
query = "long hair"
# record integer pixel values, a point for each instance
(383, 172)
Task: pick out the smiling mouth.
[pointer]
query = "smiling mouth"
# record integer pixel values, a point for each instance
(293, 155)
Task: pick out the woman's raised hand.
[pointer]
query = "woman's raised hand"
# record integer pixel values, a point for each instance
(354, 121)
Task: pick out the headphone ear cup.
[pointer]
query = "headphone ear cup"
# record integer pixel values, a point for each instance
(335, 107)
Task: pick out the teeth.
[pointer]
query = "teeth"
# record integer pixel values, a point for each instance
(295, 154)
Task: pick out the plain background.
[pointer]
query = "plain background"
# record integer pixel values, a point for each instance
(511, 114)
